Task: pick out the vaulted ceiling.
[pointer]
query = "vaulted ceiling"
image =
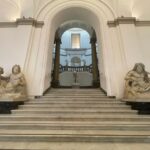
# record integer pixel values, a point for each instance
(75, 24)
(12, 9)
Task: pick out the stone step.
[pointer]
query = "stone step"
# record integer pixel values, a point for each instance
(74, 138)
(76, 100)
(75, 132)
(50, 126)
(74, 90)
(75, 93)
(74, 96)
(75, 103)
(74, 118)
(45, 107)
(78, 115)
(99, 112)
(76, 123)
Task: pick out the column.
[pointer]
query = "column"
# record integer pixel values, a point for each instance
(94, 63)
(56, 63)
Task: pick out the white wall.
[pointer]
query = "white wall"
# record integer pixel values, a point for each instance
(9, 10)
(121, 46)
(143, 34)
(13, 46)
(140, 9)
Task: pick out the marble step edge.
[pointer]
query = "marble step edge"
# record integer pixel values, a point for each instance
(60, 109)
(71, 117)
(74, 127)
(72, 99)
(41, 119)
(67, 109)
(76, 95)
(96, 123)
(75, 99)
(73, 131)
(75, 103)
(72, 112)
(73, 96)
(75, 138)
(76, 92)
(36, 106)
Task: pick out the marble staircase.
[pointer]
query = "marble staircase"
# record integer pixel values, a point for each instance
(75, 115)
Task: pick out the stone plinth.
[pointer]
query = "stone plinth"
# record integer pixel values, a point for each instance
(23, 99)
(142, 105)
(8, 104)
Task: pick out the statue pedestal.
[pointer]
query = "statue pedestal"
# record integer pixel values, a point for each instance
(23, 99)
(141, 105)
(76, 85)
(6, 105)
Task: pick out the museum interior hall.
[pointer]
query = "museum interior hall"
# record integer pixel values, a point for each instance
(74, 74)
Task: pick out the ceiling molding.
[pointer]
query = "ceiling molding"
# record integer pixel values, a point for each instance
(22, 21)
(128, 20)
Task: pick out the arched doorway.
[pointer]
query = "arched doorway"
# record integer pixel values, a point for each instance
(75, 51)
(38, 65)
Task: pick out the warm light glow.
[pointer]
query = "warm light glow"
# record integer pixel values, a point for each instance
(75, 38)
(15, 17)
(136, 14)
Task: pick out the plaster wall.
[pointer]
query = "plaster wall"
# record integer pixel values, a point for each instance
(121, 46)
(143, 35)
(9, 10)
(13, 46)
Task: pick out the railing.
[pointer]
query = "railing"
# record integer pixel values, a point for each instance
(77, 69)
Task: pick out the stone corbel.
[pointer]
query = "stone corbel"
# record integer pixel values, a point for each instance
(22, 21)
(128, 20)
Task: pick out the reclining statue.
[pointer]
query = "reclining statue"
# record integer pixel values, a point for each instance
(15, 88)
(137, 83)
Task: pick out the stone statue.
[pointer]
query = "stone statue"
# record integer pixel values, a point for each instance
(3, 82)
(84, 62)
(75, 75)
(16, 87)
(137, 83)
(66, 62)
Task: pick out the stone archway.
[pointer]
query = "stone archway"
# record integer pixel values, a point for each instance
(39, 58)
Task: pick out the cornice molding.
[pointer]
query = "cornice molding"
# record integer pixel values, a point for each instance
(22, 21)
(128, 20)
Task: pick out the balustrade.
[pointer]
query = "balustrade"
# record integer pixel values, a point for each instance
(75, 68)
